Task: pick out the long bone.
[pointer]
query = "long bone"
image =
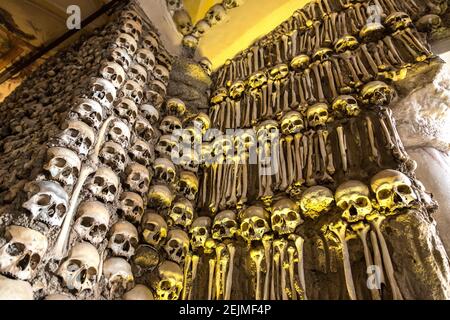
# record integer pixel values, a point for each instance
(377, 256)
(323, 134)
(257, 255)
(255, 50)
(293, 35)
(221, 268)
(361, 230)
(376, 220)
(269, 98)
(290, 166)
(373, 149)
(393, 50)
(329, 72)
(302, 102)
(340, 230)
(186, 282)
(369, 58)
(235, 167)
(60, 247)
(387, 136)
(212, 267)
(264, 105)
(310, 181)
(243, 197)
(291, 251)
(195, 260)
(316, 70)
(407, 38)
(299, 242)
(262, 62)
(298, 153)
(231, 251)
(398, 145)
(330, 165)
(267, 244)
(282, 165)
(275, 283)
(280, 246)
(225, 187)
(342, 147)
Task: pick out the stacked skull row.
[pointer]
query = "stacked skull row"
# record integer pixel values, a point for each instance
(308, 32)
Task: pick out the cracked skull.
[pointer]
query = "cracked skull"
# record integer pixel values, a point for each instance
(150, 113)
(78, 137)
(316, 201)
(285, 216)
(47, 202)
(142, 152)
(103, 91)
(124, 239)
(63, 165)
(353, 198)
(346, 105)
(175, 107)
(120, 56)
(254, 223)
(138, 73)
(89, 111)
(104, 184)
(131, 207)
(133, 91)
(119, 133)
(22, 252)
(114, 156)
(177, 245)
(393, 190)
(377, 93)
(169, 124)
(92, 221)
(154, 229)
(137, 178)
(80, 269)
(126, 109)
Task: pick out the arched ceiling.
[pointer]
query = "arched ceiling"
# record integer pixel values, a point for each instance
(243, 25)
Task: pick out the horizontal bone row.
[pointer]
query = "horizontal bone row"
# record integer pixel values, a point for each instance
(398, 32)
(290, 161)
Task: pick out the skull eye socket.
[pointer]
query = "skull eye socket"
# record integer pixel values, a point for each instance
(404, 189)
(165, 285)
(61, 209)
(43, 200)
(173, 243)
(119, 238)
(362, 202)
(87, 222)
(245, 226)
(128, 202)
(15, 249)
(343, 205)
(201, 231)
(99, 181)
(91, 273)
(259, 223)
(292, 216)
(150, 227)
(229, 224)
(74, 265)
(73, 133)
(384, 194)
(323, 113)
(133, 242)
(276, 219)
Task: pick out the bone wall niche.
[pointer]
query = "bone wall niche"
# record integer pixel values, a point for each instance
(105, 193)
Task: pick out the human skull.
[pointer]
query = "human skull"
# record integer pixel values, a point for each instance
(398, 21)
(279, 72)
(300, 62)
(216, 14)
(322, 54)
(169, 124)
(377, 93)
(113, 72)
(137, 178)
(120, 56)
(175, 107)
(102, 91)
(130, 14)
(127, 42)
(146, 58)
(292, 123)
(203, 121)
(142, 152)
(154, 229)
(372, 32)
(188, 185)
(114, 156)
(165, 170)
(188, 159)
(123, 240)
(22, 252)
(126, 109)
(79, 269)
(15, 289)
(257, 80)
(316, 201)
(353, 198)
(63, 165)
(317, 115)
(138, 73)
(183, 21)
(206, 65)
(131, 27)
(155, 94)
(346, 43)
(165, 145)
(139, 292)
(161, 74)
(144, 129)
(393, 190)
(119, 133)
(92, 221)
(174, 5)
(169, 281)
(89, 111)
(151, 43)
(224, 225)
(347, 106)
(190, 41)
(78, 137)
(254, 223)
(150, 113)
(182, 213)
(104, 184)
(244, 141)
(230, 4)
(285, 216)
(160, 197)
(429, 23)
(200, 28)
(200, 231)
(237, 89)
(47, 202)
(131, 207)
(219, 95)
(133, 91)
(177, 245)
(118, 275)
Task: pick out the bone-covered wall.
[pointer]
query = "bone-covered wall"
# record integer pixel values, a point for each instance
(119, 182)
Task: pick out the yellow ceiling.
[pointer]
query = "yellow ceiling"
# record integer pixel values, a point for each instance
(244, 24)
